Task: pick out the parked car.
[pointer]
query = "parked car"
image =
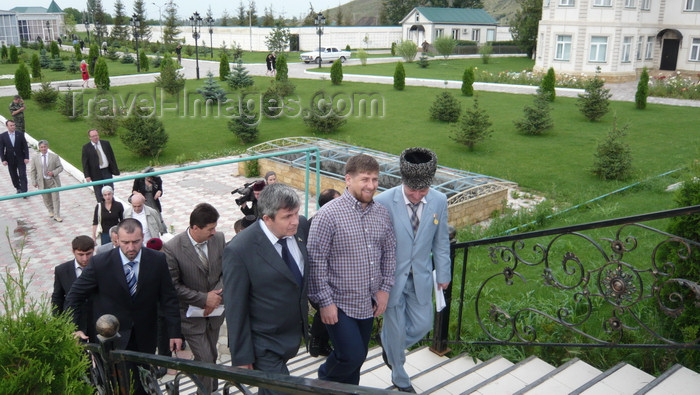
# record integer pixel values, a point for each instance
(329, 54)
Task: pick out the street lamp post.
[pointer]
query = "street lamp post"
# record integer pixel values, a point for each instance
(87, 27)
(135, 23)
(210, 22)
(98, 32)
(196, 22)
(319, 22)
(48, 30)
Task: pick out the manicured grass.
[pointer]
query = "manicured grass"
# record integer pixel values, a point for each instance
(441, 69)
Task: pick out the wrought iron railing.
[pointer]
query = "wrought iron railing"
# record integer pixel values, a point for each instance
(601, 284)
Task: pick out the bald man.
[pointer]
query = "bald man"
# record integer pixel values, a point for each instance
(150, 219)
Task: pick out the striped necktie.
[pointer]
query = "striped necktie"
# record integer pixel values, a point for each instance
(415, 222)
(202, 256)
(130, 277)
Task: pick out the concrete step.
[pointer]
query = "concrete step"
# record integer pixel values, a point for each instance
(562, 380)
(514, 378)
(620, 379)
(678, 380)
(471, 377)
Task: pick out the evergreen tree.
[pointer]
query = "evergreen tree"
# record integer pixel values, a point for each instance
(36, 66)
(445, 108)
(595, 102)
(468, 82)
(73, 66)
(613, 156)
(144, 136)
(120, 30)
(143, 61)
(46, 96)
(57, 64)
(337, 72)
(4, 53)
(278, 39)
(282, 69)
(54, 49)
(268, 18)
(339, 16)
(22, 81)
(92, 58)
(640, 97)
(245, 127)
(102, 74)
(144, 29)
(537, 119)
(242, 18)
(322, 118)
(71, 106)
(525, 23)
(224, 67)
(170, 28)
(399, 77)
(548, 84)
(170, 80)
(252, 15)
(225, 18)
(99, 21)
(239, 77)
(211, 90)
(14, 55)
(44, 59)
(78, 52)
(473, 127)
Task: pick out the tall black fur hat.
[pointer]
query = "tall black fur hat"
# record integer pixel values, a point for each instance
(418, 167)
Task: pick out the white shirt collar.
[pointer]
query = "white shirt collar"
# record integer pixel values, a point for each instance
(405, 198)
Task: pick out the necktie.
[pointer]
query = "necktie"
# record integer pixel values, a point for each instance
(130, 277)
(99, 155)
(414, 217)
(43, 166)
(79, 271)
(12, 139)
(289, 260)
(202, 256)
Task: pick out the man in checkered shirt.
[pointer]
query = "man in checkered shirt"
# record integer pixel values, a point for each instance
(352, 251)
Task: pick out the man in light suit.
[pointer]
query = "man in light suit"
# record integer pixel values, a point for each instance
(419, 216)
(114, 241)
(265, 285)
(131, 283)
(44, 174)
(194, 259)
(99, 162)
(149, 217)
(14, 153)
(65, 275)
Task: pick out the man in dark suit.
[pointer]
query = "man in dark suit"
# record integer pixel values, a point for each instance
(14, 153)
(130, 283)
(99, 162)
(65, 275)
(265, 286)
(194, 259)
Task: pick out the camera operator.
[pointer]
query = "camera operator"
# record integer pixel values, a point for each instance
(250, 193)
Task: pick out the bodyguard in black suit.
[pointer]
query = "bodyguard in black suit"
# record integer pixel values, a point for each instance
(108, 279)
(265, 286)
(65, 275)
(99, 162)
(15, 155)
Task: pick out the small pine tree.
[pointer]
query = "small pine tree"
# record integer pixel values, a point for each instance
(70, 105)
(4, 53)
(393, 49)
(102, 74)
(78, 52)
(156, 62)
(337, 72)
(473, 126)
(468, 82)
(445, 108)
(224, 67)
(46, 96)
(92, 58)
(322, 118)
(22, 81)
(57, 64)
(640, 98)
(44, 59)
(54, 49)
(239, 77)
(423, 61)
(595, 102)
(36, 66)
(73, 66)
(144, 136)
(143, 61)
(537, 118)
(282, 73)
(14, 55)
(170, 80)
(613, 156)
(212, 90)
(399, 77)
(548, 84)
(245, 127)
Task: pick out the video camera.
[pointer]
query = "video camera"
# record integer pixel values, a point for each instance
(246, 192)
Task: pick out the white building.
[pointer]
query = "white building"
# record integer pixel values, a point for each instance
(619, 36)
(469, 24)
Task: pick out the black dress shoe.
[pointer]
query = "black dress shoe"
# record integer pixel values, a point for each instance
(315, 347)
(409, 389)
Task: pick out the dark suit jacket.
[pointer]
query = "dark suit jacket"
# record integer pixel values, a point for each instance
(63, 280)
(91, 163)
(266, 310)
(104, 280)
(16, 154)
(192, 280)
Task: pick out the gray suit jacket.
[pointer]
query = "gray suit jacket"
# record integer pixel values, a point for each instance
(192, 279)
(106, 247)
(266, 310)
(153, 218)
(53, 164)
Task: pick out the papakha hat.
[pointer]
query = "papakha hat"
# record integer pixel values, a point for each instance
(418, 167)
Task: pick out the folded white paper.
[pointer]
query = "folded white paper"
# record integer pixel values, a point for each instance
(194, 311)
(439, 296)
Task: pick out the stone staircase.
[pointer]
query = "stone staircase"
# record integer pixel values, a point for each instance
(432, 374)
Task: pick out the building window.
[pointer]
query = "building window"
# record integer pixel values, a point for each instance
(692, 5)
(455, 34)
(566, 3)
(599, 45)
(563, 48)
(602, 3)
(630, 3)
(646, 4)
(649, 54)
(695, 50)
(639, 47)
(439, 32)
(417, 17)
(490, 34)
(476, 34)
(626, 49)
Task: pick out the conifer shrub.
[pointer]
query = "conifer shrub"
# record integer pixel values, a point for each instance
(362, 55)
(127, 58)
(36, 66)
(474, 126)
(468, 82)
(613, 158)
(70, 105)
(337, 72)
(170, 80)
(423, 61)
(282, 73)
(399, 77)
(22, 81)
(640, 97)
(14, 55)
(245, 127)
(44, 59)
(78, 52)
(239, 78)
(4, 53)
(57, 64)
(224, 67)
(73, 66)
(537, 118)
(211, 90)
(143, 61)
(102, 74)
(54, 49)
(445, 108)
(144, 135)
(92, 58)
(548, 84)
(46, 96)
(322, 118)
(156, 61)
(594, 103)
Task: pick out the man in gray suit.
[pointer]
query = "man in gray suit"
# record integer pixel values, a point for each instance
(194, 258)
(44, 175)
(114, 243)
(265, 272)
(419, 216)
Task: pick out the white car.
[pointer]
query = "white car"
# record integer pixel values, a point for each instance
(329, 54)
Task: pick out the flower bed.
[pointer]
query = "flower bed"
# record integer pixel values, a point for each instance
(676, 86)
(526, 77)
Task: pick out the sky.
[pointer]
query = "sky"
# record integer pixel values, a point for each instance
(289, 8)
